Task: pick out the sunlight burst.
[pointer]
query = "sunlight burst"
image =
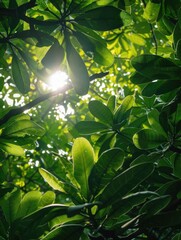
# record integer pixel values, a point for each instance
(57, 80)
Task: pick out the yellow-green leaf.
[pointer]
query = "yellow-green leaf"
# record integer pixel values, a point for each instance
(83, 160)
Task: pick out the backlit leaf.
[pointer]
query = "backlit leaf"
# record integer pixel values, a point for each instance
(11, 148)
(148, 139)
(151, 11)
(51, 179)
(83, 161)
(29, 203)
(22, 128)
(95, 49)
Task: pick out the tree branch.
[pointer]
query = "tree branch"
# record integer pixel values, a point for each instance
(16, 111)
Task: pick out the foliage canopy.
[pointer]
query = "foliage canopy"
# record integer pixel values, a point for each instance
(98, 158)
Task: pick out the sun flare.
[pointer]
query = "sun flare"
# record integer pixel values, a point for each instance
(58, 80)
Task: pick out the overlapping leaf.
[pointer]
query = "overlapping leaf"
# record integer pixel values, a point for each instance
(99, 18)
(105, 169)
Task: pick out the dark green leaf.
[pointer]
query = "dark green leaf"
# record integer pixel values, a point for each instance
(64, 232)
(178, 49)
(177, 166)
(123, 111)
(125, 182)
(160, 87)
(101, 111)
(99, 18)
(155, 205)
(129, 202)
(73, 210)
(77, 70)
(20, 75)
(138, 78)
(105, 169)
(1, 83)
(156, 67)
(166, 219)
(54, 56)
(89, 127)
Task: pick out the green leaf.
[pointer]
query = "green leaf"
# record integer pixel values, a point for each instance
(138, 78)
(151, 11)
(54, 56)
(77, 70)
(123, 111)
(64, 232)
(160, 87)
(177, 166)
(177, 237)
(148, 139)
(178, 49)
(166, 219)
(102, 55)
(51, 179)
(11, 148)
(73, 210)
(105, 169)
(129, 202)
(90, 127)
(36, 223)
(95, 49)
(83, 160)
(111, 104)
(22, 128)
(1, 83)
(20, 75)
(46, 199)
(125, 182)
(99, 18)
(153, 119)
(155, 205)
(156, 67)
(101, 111)
(28, 204)
(10, 205)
